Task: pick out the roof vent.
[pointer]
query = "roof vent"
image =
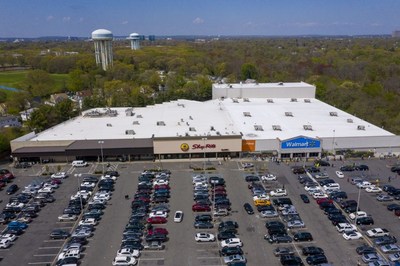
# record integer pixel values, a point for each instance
(212, 128)
(235, 100)
(270, 101)
(280, 83)
(187, 134)
(333, 113)
(247, 114)
(307, 127)
(360, 127)
(288, 114)
(190, 117)
(349, 120)
(130, 132)
(307, 100)
(109, 125)
(246, 100)
(139, 116)
(192, 129)
(218, 133)
(258, 128)
(160, 123)
(135, 122)
(293, 100)
(276, 128)
(181, 105)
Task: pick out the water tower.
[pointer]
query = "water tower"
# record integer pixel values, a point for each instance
(103, 47)
(134, 37)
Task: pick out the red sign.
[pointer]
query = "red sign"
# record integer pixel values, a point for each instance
(202, 147)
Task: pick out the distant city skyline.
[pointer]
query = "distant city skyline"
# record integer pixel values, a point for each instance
(78, 18)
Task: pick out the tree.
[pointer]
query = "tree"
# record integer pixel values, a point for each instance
(39, 83)
(249, 71)
(64, 110)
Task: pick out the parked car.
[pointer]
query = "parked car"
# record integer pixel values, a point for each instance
(231, 242)
(227, 251)
(302, 236)
(178, 216)
(204, 237)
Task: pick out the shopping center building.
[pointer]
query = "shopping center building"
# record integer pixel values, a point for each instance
(283, 120)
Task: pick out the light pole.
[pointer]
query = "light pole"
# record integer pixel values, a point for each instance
(101, 142)
(204, 149)
(333, 144)
(78, 178)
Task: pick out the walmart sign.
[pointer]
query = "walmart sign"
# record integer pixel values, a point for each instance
(301, 143)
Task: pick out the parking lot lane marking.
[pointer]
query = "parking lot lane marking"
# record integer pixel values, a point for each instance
(145, 259)
(44, 255)
(50, 247)
(152, 251)
(208, 258)
(54, 240)
(40, 263)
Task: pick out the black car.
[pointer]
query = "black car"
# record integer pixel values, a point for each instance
(365, 221)
(202, 225)
(278, 238)
(265, 208)
(59, 234)
(274, 224)
(291, 260)
(80, 240)
(347, 168)
(361, 167)
(351, 209)
(12, 189)
(228, 224)
(13, 231)
(298, 170)
(276, 231)
(393, 207)
(321, 163)
(312, 250)
(385, 240)
(247, 207)
(251, 178)
(365, 249)
(304, 198)
(156, 237)
(338, 195)
(228, 251)
(225, 235)
(316, 259)
(132, 245)
(203, 217)
(302, 236)
(333, 210)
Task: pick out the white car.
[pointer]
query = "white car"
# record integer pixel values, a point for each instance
(15, 204)
(204, 237)
(339, 174)
(53, 186)
(247, 165)
(268, 214)
(160, 182)
(128, 252)
(394, 257)
(232, 242)
(364, 184)
(108, 177)
(59, 175)
(70, 253)
(234, 258)
(319, 195)
(102, 197)
(332, 186)
(10, 237)
(261, 197)
(5, 243)
(278, 192)
(178, 216)
(377, 232)
(373, 189)
(357, 215)
(67, 217)
(124, 260)
(163, 214)
(352, 235)
(88, 221)
(46, 190)
(342, 227)
(268, 177)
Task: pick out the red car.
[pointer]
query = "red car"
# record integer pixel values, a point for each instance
(219, 192)
(157, 220)
(200, 208)
(161, 187)
(2, 184)
(56, 181)
(158, 231)
(319, 201)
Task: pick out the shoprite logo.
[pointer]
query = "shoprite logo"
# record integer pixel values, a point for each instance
(184, 147)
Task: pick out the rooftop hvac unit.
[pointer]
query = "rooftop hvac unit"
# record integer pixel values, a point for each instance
(360, 127)
(109, 125)
(307, 127)
(139, 116)
(130, 132)
(192, 129)
(270, 101)
(276, 127)
(247, 114)
(293, 100)
(288, 114)
(212, 128)
(218, 133)
(333, 113)
(160, 123)
(349, 120)
(190, 117)
(181, 105)
(258, 128)
(307, 100)
(235, 100)
(246, 100)
(135, 122)
(187, 134)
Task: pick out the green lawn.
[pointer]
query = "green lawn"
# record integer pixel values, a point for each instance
(13, 78)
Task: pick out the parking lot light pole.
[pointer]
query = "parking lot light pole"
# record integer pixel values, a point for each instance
(101, 142)
(78, 178)
(204, 149)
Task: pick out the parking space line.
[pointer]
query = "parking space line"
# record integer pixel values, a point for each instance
(50, 247)
(208, 258)
(40, 263)
(44, 255)
(54, 240)
(144, 259)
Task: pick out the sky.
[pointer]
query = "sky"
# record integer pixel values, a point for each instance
(36, 18)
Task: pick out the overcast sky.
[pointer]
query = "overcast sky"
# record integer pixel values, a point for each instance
(35, 18)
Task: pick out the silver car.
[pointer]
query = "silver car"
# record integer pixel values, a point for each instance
(391, 248)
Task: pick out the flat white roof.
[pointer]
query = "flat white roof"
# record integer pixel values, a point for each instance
(262, 85)
(216, 117)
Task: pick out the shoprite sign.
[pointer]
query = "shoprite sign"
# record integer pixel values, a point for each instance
(185, 146)
(301, 143)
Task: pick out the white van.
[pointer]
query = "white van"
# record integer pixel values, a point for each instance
(343, 227)
(79, 163)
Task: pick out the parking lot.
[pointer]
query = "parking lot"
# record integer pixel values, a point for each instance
(34, 247)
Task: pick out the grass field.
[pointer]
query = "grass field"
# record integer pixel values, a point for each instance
(13, 78)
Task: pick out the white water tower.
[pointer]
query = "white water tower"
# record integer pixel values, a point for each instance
(135, 38)
(103, 47)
